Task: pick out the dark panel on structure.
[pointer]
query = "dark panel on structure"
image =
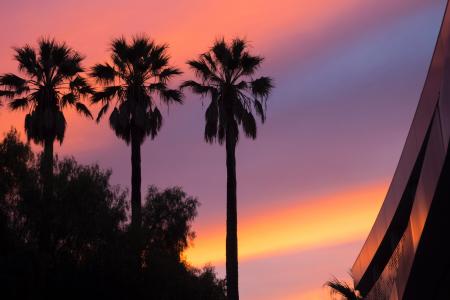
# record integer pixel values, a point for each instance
(406, 255)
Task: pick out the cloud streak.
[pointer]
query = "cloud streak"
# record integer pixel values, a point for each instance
(348, 77)
(313, 223)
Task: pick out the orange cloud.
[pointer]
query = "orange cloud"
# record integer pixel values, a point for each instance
(317, 222)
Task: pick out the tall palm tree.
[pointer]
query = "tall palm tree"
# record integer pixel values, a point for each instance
(226, 74)
(138, 72)
(51, 81)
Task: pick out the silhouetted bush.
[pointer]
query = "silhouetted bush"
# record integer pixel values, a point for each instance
(89, 244)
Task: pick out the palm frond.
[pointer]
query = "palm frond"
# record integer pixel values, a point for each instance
(158, 57)
(196, 87)
(171, 95)
(168, 73)
(212, 64)
(120, 48)
(237, 46)
(262, 86)
(103, 73)
(26, 56)
(201, 69)
(61, 53)
(71, 65)
(102, 111)
(259, 110)
(19, 103)
(249, 125)
(42, 123)
(342, 288)
(155, 122)
(68, 99)
(222, 53)
(119, 64)
(12, 81)
(82, 109)
(157, 86)
(242, 85)
(60, 125)
(8, 94)
(45, 47)
(106, 94)
(250, 63)
(80, 85)
(140, 47)
(212, 119)
(116, 121)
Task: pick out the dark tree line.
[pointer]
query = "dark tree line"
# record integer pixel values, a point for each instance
(90, 252)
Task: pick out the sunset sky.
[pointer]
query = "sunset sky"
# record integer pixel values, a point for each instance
(348, 76)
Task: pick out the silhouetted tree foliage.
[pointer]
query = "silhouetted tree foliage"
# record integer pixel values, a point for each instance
(167, 218)
(89, 244)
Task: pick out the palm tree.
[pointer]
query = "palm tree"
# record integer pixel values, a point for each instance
(343, 289)
(138, 72)
(226, 76)
(51, 82)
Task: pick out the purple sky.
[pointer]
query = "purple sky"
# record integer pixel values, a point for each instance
(347, 85)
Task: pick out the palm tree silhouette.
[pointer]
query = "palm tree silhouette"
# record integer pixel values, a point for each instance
(52, 82)
(139, 71)
(226, 76)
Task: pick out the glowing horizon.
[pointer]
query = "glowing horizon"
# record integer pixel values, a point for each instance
(345, 216)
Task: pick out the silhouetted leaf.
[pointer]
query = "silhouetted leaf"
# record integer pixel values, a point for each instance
(196, 87)
(169, 95)
(103, 73)
(20, 103)
(168, 73)
(102, 111)
(212, 119)
(81, 108)
(222, 53)
(262, 86)
(259, 110)
(106, 94)
(249, 125)
(12, 81)
(8, 94)
(68, 99)
(343, 289)
(26, 56)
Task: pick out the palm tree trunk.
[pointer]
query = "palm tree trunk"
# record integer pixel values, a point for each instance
(44, 233)
(135, 186)
(47, 169)
(231, 242)
(47, 193)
